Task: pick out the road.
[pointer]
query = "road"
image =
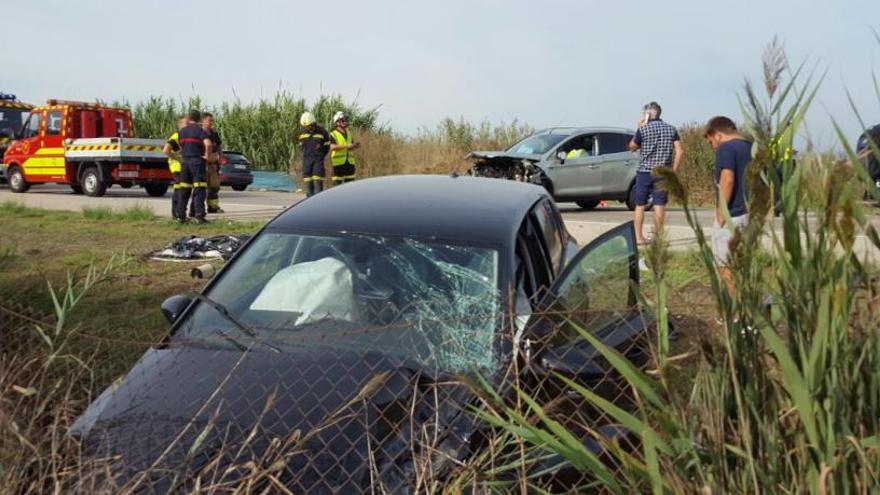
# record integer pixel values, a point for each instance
(262, 205)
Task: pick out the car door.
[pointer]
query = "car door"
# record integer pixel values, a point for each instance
(577, 175)
(618, 163)
(595, 293)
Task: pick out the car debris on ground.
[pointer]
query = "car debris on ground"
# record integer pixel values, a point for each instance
(195, 248)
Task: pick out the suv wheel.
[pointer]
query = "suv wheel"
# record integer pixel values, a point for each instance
(631, 200)
(239, 188)
(16, 180)
(92, 184)
(587, 205)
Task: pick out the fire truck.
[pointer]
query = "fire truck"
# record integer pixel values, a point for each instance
(88, 146)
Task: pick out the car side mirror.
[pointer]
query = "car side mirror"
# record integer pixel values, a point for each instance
(174, 306)
(561, 155)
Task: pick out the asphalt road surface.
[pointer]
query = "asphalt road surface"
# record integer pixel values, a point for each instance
(251, 205)
(263, 205)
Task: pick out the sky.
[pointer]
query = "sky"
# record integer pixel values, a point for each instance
(545, 63)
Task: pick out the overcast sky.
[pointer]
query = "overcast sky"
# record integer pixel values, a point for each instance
(546, 63)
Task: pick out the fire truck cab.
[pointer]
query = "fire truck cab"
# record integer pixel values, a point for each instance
(88, 146)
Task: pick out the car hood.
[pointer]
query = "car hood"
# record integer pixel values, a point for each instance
(346, 419)
(491, 155)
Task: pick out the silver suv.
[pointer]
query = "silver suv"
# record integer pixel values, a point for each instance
(584, 164)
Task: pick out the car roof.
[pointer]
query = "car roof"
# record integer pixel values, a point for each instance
(465, 209)
(568, 131)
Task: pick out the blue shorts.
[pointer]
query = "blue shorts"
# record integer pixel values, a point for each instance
(646, 186)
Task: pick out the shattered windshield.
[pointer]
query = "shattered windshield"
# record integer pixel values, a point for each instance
(431, 302)
(537, 144)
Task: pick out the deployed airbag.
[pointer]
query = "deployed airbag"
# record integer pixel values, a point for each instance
(315, 290)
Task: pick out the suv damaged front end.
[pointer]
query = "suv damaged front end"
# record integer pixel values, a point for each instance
(520, 167)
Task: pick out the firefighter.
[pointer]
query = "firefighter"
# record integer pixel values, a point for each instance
(195, 148)
(172, 151)
(213, 165)
(341, 155)
(314, 141)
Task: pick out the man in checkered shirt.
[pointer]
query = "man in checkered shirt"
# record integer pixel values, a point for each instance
(661, 147)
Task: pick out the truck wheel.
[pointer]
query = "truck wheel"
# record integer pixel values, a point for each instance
(126, 185)
(92, 184)
(587, 205)
(239, 188)
(156, 190)
(16, 180)
(77, 189)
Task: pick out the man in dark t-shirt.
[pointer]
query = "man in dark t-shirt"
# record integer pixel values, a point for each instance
(195, 147)
(869, 159)
(733, 152)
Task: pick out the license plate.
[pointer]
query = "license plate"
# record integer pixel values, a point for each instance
(241, 166)
(128, 174)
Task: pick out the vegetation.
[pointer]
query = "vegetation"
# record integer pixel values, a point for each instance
(784, 398)
(264, 131)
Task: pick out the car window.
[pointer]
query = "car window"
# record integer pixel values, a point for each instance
(431, 302)
(32, 128)
(578, 146)
(613, 143)
(544, 216)
(596, 290)
(537, 144)
(11, 119)
(53, 123)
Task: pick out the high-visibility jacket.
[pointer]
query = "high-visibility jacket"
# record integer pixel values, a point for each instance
(174, 164)
(341, 157)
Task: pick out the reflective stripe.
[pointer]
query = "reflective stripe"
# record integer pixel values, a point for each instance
(185, 185)
(340, 157)
(304, 136)
(200, 184)
(343, 177)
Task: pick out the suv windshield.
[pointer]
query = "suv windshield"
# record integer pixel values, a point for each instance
(11, 119)
(537, 144)
(431, 302)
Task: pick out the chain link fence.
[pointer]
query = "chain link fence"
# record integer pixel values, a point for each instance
(387, 396)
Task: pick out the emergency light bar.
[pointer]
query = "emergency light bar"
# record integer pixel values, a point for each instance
(53, 101)
(7, 97)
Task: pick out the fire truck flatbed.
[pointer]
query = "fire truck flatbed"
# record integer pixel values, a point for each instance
(115, 149)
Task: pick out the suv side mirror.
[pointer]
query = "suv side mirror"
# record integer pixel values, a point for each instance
(561, 155)
(174, 306)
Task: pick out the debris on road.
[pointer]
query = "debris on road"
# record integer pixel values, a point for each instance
(190, 248)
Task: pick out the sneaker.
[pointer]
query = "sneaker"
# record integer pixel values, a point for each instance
(181, 220)
(216, 210)
(202, 220)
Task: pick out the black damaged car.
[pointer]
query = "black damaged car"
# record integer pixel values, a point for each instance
(333, 353)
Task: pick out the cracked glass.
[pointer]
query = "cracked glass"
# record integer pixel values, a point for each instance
(432, 303)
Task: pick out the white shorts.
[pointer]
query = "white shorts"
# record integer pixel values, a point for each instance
(721, 237)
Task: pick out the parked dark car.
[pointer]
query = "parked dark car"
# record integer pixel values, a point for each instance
(342, 327)
(235, 170)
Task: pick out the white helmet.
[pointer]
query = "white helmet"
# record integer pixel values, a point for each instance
(307, 119)
(340, 115)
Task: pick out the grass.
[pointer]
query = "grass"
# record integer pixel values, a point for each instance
(136, 213)
(126, 305)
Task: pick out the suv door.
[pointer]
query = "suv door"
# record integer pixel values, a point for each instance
(596, 293)
(618, 163)
(578, 175)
